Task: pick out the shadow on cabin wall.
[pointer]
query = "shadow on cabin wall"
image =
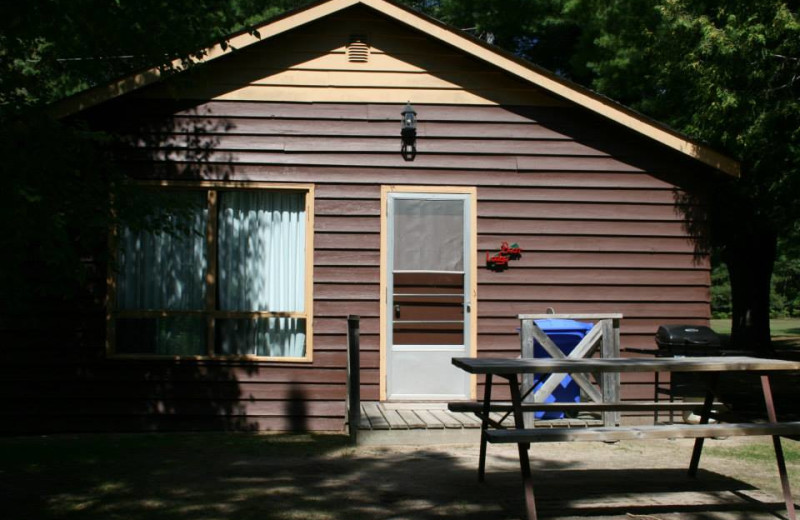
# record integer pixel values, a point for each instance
(694, 183)
(55, 383)
(57, 375)
(65, 382)
(296, 409)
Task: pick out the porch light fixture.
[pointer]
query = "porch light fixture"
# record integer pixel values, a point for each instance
(408, 133)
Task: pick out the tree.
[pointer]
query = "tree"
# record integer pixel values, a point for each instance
(59, 178)
(786, 281)
(724, 72)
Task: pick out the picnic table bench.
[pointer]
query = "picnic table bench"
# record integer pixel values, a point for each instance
(476, 407)
(711, 367)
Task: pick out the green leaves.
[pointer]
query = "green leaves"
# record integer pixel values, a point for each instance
(59, 178)
(50, 49)
(725, 72)
(717, 75)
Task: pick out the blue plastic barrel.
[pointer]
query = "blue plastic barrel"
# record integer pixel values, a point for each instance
(566, 334)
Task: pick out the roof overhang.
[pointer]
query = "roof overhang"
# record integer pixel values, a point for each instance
(527, 71)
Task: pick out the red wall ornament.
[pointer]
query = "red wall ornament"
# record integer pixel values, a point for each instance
(499, 261)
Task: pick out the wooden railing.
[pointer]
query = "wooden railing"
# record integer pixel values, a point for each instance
(604, 335)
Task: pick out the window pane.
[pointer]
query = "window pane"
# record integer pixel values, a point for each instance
(271, 337)
(166, 270)
(261, 251)
(174, 335)
(429, 235)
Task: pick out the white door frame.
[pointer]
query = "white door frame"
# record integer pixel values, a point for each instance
(471, 278)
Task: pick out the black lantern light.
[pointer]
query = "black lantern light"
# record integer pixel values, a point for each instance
(408, 133)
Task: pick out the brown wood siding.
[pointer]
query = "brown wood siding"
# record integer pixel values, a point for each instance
(598, 224)
(592, 205)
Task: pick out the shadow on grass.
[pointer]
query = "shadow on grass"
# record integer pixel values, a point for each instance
(205, 476)
(790, 344)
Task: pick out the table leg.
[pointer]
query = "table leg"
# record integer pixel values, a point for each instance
(705, 414)
(776, 443)
(522, 447)
(487, 401)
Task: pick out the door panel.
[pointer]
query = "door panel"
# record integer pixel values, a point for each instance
(427, 280)
(431, 373)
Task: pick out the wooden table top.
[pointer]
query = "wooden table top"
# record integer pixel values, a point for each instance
(684, 364)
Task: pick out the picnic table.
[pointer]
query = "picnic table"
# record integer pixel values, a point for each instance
(709, 369)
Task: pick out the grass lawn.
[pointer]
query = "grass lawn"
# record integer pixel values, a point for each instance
(778, 326)
(756, 452)
(785, 331)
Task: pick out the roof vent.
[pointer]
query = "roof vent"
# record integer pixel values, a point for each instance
(358, 49)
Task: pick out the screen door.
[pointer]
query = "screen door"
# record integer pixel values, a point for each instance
(427, 301)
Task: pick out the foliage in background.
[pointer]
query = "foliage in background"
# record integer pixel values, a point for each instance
(721, 305)
(724, 72)
(59, 178)
(53, 48)
(784, 295)
(786, 282)
(727, 73)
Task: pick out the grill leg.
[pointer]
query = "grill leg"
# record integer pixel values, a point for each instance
(655, 398)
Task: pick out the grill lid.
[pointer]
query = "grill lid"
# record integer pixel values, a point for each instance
(689, 336)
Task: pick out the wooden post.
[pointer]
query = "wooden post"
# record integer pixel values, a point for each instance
(526, 349)
(353, 401)
(608, 325)
(611, 380)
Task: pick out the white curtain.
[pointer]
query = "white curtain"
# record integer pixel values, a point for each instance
(273, 337)
(261, 267)
(165, 271)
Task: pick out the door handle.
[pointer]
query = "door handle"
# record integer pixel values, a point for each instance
(468, 307)
(396, 311)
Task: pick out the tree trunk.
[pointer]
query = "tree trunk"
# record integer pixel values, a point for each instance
(750, 259)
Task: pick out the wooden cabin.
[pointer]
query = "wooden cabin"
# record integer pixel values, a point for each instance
(286, 147)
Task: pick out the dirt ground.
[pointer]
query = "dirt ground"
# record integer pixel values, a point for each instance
(633, 480)
(263, 477)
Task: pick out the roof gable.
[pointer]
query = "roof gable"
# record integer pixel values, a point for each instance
(313, 64)
(554, 87)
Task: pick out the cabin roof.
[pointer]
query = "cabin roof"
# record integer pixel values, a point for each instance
(437, 30)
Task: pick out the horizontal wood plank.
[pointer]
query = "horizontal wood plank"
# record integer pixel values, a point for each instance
(624, 406)
(367, 291)
(598, 365)
(400, 175)
(674, 431)
(631, 277)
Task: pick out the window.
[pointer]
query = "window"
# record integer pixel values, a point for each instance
(231, 279)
